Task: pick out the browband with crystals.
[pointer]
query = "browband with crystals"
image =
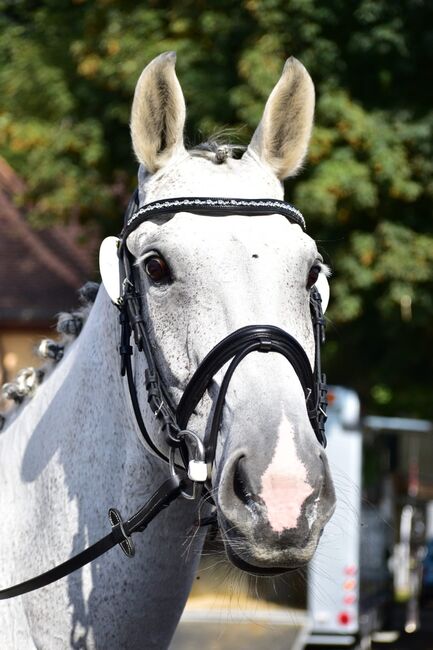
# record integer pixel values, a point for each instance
(210, 207)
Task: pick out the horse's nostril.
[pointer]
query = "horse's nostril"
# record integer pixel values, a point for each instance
(241, 484)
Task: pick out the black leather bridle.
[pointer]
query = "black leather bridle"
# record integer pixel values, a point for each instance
(195, 456)
(235, 347)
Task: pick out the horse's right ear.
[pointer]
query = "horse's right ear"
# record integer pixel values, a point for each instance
(281, 139)
(158, 114)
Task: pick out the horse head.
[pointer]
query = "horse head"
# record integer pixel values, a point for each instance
(202, 278)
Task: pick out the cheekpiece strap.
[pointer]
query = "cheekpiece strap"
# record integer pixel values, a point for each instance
(213, 207)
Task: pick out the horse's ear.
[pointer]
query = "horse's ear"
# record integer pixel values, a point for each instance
(158, 114)
(282, 137)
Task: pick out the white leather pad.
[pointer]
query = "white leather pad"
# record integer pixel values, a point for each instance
(109, 267)
(322, 285)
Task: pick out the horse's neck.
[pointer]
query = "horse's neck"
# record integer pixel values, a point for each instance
(80, 416)
(71, 454)
(79, 404)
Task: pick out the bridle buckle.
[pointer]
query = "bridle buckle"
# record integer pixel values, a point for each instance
(197, 469)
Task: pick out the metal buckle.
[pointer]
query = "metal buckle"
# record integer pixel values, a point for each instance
(197, 469)
(173, 472)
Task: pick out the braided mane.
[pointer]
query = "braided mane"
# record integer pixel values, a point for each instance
(68, 326)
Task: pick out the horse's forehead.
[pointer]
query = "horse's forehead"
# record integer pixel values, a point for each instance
(254, 235)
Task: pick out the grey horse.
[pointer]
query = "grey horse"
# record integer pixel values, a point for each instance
(74, 449)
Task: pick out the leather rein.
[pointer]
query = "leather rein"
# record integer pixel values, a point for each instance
(190, 458)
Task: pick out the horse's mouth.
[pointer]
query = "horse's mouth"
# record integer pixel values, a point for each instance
(258, 555)
(252, 569)
(247, 562)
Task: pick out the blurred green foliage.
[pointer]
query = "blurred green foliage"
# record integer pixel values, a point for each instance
(67, 75)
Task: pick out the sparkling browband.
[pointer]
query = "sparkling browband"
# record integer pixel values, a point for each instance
(212, 207)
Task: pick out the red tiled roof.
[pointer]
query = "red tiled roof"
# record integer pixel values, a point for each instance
(40, 270)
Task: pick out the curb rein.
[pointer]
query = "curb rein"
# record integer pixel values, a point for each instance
(196, 456)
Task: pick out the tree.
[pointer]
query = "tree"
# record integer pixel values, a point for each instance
(67, 75)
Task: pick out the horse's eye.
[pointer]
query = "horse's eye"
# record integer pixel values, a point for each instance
(156, 268)
(313, 274)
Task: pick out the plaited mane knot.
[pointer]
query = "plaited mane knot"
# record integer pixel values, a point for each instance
(70, 324)
(222, 153)
(214, 150)
(24, 385)
(49, 349)
(88, 292)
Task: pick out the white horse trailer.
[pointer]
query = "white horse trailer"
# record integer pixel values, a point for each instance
(349, 581)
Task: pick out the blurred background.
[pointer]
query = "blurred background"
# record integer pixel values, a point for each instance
(68, 69)
(67, 75)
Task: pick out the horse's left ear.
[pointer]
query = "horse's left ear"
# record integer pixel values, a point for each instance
(282, 137)
(158, 114)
